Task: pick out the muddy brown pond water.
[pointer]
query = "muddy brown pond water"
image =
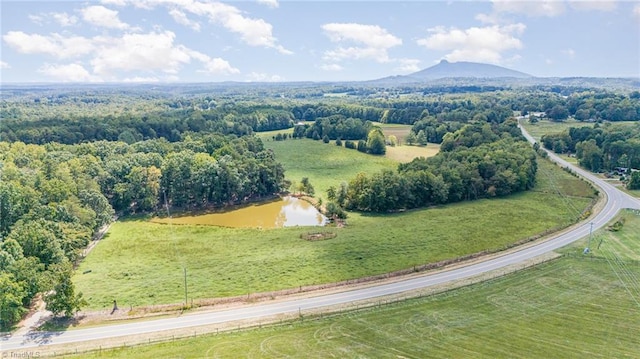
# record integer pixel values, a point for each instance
(283, 212)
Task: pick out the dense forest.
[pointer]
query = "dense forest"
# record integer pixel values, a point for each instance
(73, 118)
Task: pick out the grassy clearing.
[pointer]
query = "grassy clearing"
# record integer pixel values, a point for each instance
(537, 130)
(398, 130)
(141, 263)
(324, 163)
(544, 127)
(408, 153)
(573, 307)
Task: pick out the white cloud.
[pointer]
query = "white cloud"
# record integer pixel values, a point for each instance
(482, 44)
(215, 66)
(101, 16)
(54, 44)
(488, 18)
(218, 66)
(597, 5)
(269, 3)
(36, 19)
(254, 32)
(370, 42)
(149, 53)
(331, 67)
(4, 65)
(64, 19)
(549, 8)
(262, 77)
(68, 73)
(139, 52)
(408, 65)
(571, 53)
(114, 2)
(181, 18)
(636, 11)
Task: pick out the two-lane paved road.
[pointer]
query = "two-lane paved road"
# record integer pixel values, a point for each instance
(615, 200)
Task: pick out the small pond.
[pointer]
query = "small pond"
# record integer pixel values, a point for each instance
(284, 212)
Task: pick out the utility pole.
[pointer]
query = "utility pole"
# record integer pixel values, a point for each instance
(587, 250)
(185, 286)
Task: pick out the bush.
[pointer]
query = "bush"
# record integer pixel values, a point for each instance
(325, 139)
(350, 144)
(338, 142)
(333, 210)
(362, 146)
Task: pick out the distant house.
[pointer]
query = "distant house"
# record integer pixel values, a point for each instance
(620, 170)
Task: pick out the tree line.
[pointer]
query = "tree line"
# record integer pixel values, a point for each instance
(40, 122)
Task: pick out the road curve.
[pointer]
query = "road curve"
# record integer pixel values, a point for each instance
(615, 201)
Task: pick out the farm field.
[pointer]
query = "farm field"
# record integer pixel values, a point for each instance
(543, 127)
(574, 306)
(408, 153)
(141, 263)
(325, 164)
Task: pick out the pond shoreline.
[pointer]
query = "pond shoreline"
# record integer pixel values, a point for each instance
(270, 212)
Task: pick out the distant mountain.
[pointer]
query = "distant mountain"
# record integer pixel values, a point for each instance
(458, 70)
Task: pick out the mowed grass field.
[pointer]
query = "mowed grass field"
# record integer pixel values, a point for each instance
(303, 158)
(544, 127)
(325, 164)
(140, 263)
(575, 306)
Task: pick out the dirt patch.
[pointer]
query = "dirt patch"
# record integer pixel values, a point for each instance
(318, 236)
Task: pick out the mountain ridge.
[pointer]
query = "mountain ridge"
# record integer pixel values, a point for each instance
(461, 69)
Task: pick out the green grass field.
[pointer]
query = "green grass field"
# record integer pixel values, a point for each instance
(573, 307)
(408, 153)
(537, 130)
(544, 127)
(140, 263)
(324, 163)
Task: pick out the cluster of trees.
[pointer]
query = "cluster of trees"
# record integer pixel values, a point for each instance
(368, 138)
(53, 197)
(598, 106)
(171, 124)
(497, 164)
(599, 147)
(334, 127)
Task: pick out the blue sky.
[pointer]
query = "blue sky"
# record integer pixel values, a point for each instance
(271, 40)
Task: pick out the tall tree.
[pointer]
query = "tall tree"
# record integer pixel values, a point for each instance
(376, 143)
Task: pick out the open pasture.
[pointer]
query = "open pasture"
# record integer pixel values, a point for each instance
(141, 263)
(572, 307)
(408, 153)
(544, 127)
(325, 164)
